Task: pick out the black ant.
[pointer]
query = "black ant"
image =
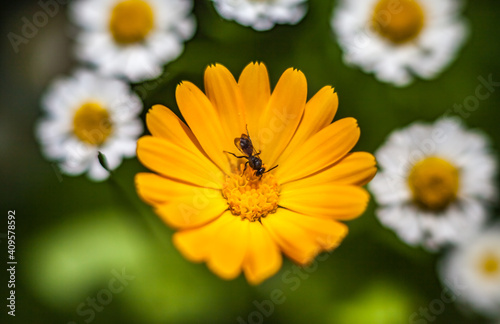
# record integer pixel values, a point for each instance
(245, 145)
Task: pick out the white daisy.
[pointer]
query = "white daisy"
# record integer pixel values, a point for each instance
(132, 38)
(87, 113)
(472, 271)
(396, 39)
(262, 14)
(435, 182)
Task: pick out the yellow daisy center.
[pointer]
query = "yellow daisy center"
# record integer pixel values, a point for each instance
(92, 124)
(399, 21)
(434, 183)
(131, 21)
(250, 197)
(490, 265)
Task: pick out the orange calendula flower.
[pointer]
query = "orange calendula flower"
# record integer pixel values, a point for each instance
(238, 216)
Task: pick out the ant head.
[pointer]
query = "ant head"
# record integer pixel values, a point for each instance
(260, 172)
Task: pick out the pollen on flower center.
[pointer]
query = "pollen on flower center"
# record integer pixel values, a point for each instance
(91, 123)
(434, 183)
(490, 265)
(131, 21)
(250, 197)
(398, 21)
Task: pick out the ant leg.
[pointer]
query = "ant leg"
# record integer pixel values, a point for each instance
(244, 169)
(274, 167)
(239, 157)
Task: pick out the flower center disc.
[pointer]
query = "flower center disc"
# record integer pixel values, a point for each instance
(399, 21)
(490, 265)
(434, 183)
(91, 123)
(250, 197)
(131, 21)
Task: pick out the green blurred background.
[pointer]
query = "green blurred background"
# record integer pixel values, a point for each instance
(74, 236)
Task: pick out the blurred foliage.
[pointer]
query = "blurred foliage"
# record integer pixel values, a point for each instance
(72, 233)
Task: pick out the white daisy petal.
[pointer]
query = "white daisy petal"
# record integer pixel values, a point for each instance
(104, 118)
(262, 14)
(472, 272)
(124, 147)
(131, 129)
(390, 188)
(135, 50)
(429, 178)
(97, 172)
(166, 46)
(422, 41)
(186, 27)
(404, 221)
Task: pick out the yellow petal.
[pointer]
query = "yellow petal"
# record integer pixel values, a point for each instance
(340, 202)
(221, 243)
(263, 258)
(222, 90)
(179, 204)
(229, 247)
(302, 237)
(178, 163)
(356, 168)
(163, 123)
(196, 243)
(198, 207)
(155, 189)
(204, 121)
(282, 115)
(256, 91)
(320, 151)
(318, 114)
